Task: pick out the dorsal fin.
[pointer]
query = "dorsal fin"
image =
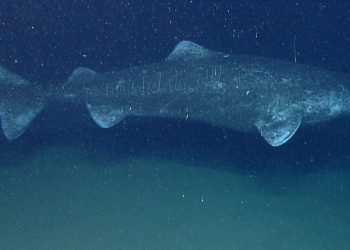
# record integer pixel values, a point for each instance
(189, 51)
(76, 82)
(80, 76)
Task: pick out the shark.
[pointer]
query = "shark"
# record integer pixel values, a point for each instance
(268, 96)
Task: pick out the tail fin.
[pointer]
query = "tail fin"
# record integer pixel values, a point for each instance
(20, 103)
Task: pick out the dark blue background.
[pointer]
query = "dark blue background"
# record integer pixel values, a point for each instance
(44, 41)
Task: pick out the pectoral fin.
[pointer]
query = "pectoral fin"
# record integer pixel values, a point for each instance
(279, 128)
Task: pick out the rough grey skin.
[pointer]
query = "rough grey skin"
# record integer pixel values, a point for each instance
(245, 93)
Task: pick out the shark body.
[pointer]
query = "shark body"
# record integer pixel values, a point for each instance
(246, 93)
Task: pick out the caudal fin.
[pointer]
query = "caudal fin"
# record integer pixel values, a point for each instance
(20, 103)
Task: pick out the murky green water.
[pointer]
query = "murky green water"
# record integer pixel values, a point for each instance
(64, 198)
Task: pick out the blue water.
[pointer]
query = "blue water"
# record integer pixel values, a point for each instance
(164, 184)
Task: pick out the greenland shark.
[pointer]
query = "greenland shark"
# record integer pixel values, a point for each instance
(246, 93)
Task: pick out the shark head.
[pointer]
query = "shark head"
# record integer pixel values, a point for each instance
(280, 119)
